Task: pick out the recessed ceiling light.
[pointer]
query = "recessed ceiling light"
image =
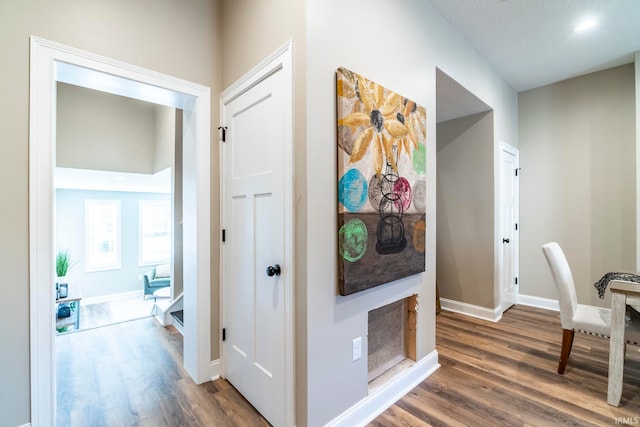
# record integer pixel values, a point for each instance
(585, 25)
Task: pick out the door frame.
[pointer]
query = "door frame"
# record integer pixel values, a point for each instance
(51, 62)
(504, 147)
(278, 61)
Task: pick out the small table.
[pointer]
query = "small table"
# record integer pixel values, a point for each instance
(162, 293)
(74, 319)
(622, 293)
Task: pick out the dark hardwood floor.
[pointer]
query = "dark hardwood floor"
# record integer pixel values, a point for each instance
(504, 374)
(492, 374)
(131, 374)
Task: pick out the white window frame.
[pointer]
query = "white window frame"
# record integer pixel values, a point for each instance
(90, 214)
(143, 205)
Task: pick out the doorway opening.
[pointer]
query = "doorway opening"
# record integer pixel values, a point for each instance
(52, 63)
(114, 208)
(467, 212)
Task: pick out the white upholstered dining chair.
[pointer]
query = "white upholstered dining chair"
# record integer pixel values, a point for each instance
(574, 316)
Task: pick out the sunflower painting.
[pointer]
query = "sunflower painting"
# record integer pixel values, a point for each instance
(381, 184)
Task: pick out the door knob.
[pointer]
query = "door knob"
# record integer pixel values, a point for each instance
(505, 240)
(274, 270)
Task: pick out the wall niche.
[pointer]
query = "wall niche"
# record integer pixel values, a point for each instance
(391, 339)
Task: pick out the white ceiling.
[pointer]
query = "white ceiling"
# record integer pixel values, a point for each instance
(532, 43)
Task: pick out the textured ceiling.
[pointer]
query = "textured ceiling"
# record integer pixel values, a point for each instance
(453, 100)
(532, 43)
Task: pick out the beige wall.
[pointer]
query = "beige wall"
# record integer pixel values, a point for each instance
(162, 35)
(465, 210)
(164, 137)
(251, 30)
(577, 187)
(402, 57)
(100, 131)
(178, 270)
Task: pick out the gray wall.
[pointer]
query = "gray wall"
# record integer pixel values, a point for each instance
(577, 187)
(70, 232)
(162, 35)
(465, 209)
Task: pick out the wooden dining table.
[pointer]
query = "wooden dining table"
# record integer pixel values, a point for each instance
(622, 294)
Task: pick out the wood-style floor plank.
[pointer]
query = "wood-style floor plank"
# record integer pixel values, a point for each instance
(131, 374)
(504, 374)
(491, 374)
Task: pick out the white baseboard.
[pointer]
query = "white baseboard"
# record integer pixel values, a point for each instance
(215, 369)
(549, 304)
(387, 394)
(25, 425)
(112, 297)
(471, 310)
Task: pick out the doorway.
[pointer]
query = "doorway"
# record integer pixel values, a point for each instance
(467, 267)
(508, 222)
(51, 63)
(114, 204)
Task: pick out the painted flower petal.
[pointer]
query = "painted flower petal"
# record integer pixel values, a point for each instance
(378, 91)
(345, 89)
(377, 154)
(391, 104)
(355, 120)
(412, 134)
(361, 145)
(395, 128)
(365, 95)
(409, 107)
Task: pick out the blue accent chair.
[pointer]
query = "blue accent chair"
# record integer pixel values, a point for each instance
(153, 283)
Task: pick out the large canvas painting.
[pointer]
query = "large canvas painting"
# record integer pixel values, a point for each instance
(381, 184)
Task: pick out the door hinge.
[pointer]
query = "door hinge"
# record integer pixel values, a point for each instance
(224, 133)
(224, 334)
(516, 226)
(516, 280)
(224, 235)
(517, 171)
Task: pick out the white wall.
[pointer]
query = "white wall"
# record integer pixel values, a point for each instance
(70, 232)
(397, 44)
(577, 186)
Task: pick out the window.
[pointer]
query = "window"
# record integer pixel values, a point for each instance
(102, 234)
(155, 232)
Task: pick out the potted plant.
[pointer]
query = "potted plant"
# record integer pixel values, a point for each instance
(63, 264)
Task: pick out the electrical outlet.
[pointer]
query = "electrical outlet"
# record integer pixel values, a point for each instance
(357, 348)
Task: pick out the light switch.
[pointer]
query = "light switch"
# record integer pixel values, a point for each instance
(357, 348)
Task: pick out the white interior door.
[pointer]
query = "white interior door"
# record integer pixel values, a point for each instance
(509, 226)
(256, 329)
